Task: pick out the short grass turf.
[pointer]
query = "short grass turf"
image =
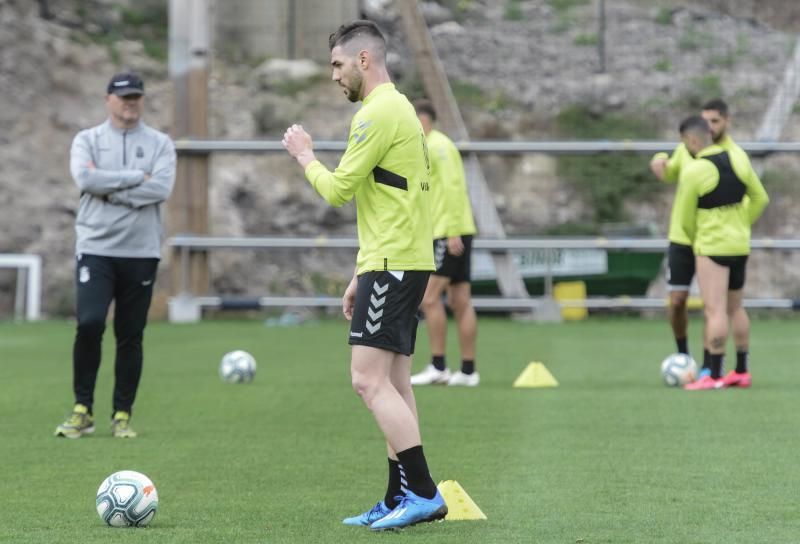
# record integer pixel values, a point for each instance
(609, 456)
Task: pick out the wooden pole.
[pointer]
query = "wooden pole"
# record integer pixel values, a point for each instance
(437, 87)
(188, 69)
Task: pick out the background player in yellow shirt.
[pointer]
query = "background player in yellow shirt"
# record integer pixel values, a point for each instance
(453, 228)
(716, 214)
(385, 168)
(680, 257)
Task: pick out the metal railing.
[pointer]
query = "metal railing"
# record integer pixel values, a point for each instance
(184, 245)
(487, 146)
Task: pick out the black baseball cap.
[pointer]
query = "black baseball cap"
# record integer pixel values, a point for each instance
(126, 84)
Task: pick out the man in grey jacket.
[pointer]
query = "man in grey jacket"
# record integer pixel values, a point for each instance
(124, 170)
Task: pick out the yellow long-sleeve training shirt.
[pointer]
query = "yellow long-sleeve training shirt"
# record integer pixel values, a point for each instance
(712, 199)
(451, 210)
(385, 168)
(681, 157)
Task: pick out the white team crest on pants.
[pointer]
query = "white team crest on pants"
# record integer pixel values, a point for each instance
(83, 274)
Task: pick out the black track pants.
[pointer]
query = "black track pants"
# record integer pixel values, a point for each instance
(99, 280)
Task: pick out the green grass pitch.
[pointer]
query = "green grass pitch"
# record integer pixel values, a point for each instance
(609, 456)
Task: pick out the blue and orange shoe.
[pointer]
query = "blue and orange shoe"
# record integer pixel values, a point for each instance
(737, 379)
(412, 509)
(704, 383)
(372, 515)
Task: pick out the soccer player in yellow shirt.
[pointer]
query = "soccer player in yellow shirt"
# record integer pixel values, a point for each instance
(385, 168)
(453, 229)
(719, 197)
(680, 257)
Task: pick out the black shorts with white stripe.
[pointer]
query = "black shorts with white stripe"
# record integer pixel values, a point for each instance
(385, 313)
(457, 268)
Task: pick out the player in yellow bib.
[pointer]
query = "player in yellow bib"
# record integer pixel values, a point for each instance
(453, 229)
(385, 169)
(719, 197)
(680, 257)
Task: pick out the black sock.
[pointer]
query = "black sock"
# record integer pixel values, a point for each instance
(741, 362)
(683, 345)
(395, 486)
(438, 362)
(416, 467)
(467, 366)
(706, 359)
(717, 360)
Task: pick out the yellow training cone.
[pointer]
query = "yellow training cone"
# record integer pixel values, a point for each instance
(459, 505)
(536, 375)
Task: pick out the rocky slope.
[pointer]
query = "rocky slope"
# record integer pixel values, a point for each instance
(513, 70)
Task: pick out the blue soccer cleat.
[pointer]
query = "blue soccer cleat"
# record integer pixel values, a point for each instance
(412, 509)
(374, 514)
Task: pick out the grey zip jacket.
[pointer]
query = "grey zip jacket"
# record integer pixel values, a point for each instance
(119, 213)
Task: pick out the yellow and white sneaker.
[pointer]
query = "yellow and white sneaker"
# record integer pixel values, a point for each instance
(121, 425)
(79, 423)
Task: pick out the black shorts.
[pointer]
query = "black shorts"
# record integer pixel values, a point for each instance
(457, 268)
(680, 267)
(737, 265)
(385, 313)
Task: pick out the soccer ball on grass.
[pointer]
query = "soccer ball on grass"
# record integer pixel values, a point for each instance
(127, 499)
(678, 369)
(237, 367)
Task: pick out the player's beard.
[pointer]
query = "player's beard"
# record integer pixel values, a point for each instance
(353, 90)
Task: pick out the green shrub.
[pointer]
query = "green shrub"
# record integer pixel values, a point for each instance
(585, 40)
(664, 16)
(701, 89)
(694, 39)
(663, 65)
(566, 5)
(513, 11)
(605, 180)
(145, 21)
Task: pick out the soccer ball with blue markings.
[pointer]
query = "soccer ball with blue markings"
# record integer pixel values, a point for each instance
(678, 369)
(237, 367)
(127, 499)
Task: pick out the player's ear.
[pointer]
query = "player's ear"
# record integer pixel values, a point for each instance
(363, 59)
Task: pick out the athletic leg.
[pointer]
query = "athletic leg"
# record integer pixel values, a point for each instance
(459, 297)
(95, 282)
(435, 315)
(679, 318)
(740, 376)
(133, 295)
(713, 280)
(436, 321)
(460, 300)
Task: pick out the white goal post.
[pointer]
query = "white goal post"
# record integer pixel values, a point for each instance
(28, 296)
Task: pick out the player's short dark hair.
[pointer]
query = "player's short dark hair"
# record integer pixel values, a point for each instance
(694, 123)
(717, 104)
(356, 29)
(425, 106)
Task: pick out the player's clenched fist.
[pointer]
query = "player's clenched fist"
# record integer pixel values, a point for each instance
(299, 144)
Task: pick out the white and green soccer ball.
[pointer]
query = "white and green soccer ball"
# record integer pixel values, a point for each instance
(127, 499)
(237, 367)
(678, 369)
